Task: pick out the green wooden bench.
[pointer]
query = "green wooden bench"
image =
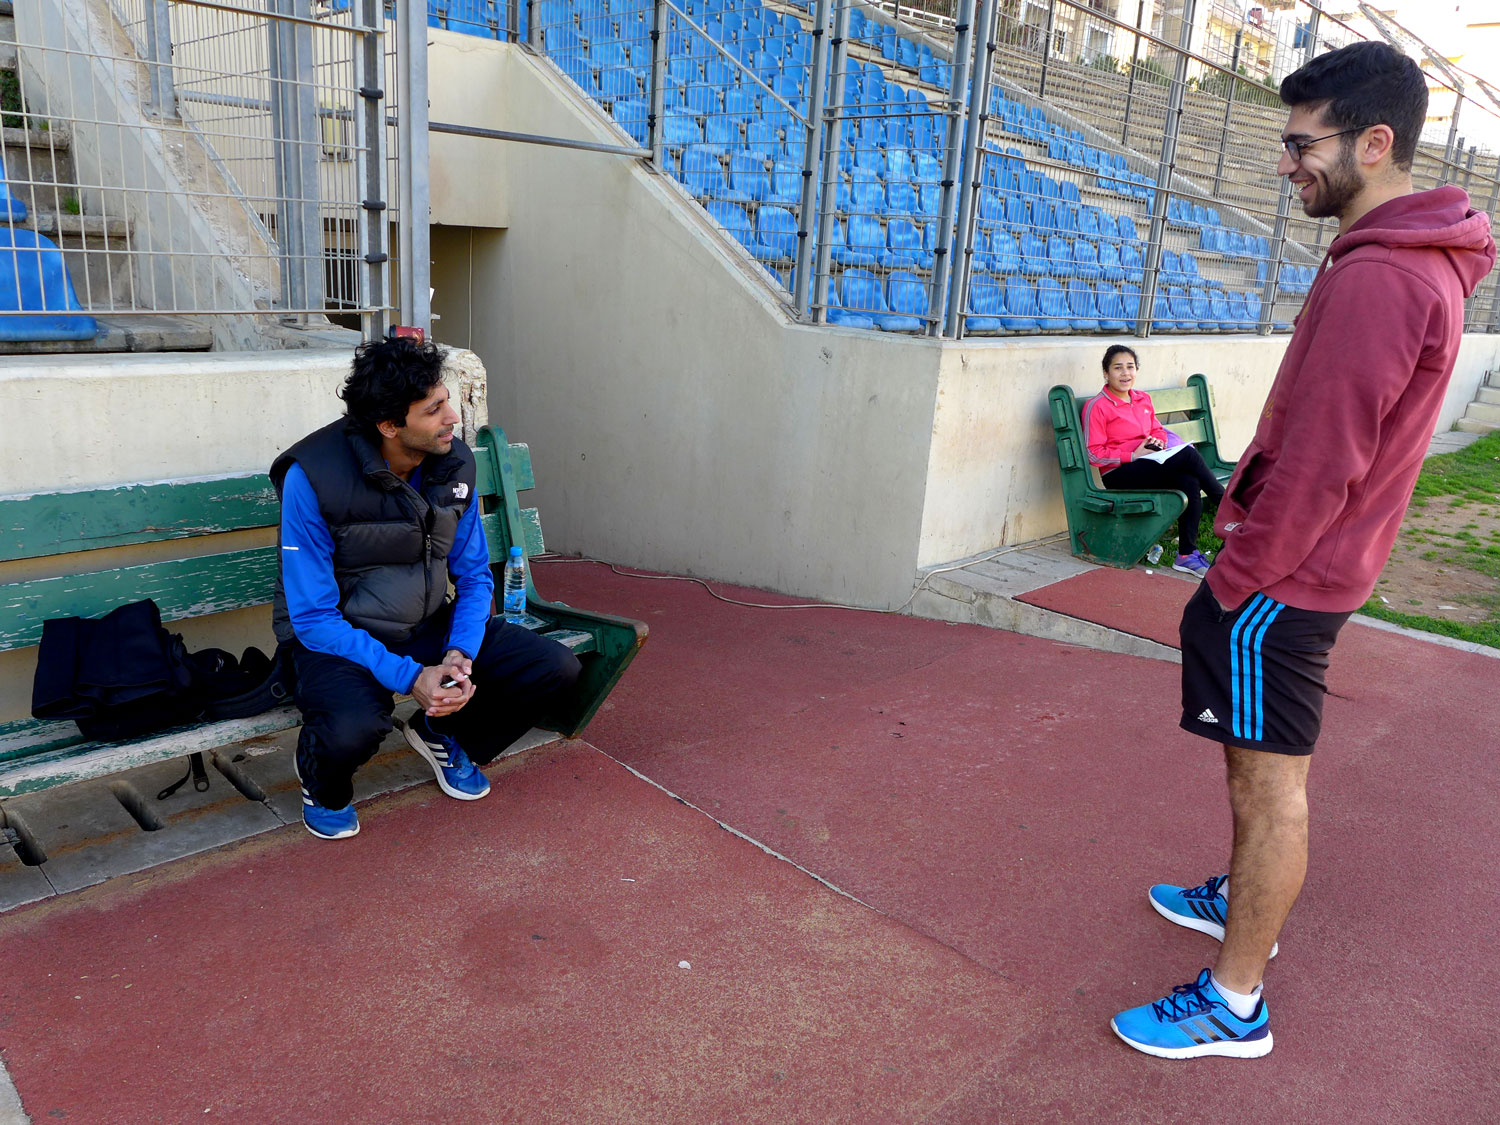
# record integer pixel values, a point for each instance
(1115, 527)
(36, 755)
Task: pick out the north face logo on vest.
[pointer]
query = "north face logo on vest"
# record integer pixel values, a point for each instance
(460, 490)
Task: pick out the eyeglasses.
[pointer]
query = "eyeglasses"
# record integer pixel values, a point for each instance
(1294, 148)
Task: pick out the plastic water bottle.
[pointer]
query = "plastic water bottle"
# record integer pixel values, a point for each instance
(515, 587)
(1153, 556)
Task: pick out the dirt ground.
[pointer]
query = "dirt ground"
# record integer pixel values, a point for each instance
(1446, 562)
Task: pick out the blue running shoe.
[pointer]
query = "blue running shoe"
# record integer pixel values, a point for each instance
(1198, 908)
(1192, 1022)
(325, 824)
(456, 775)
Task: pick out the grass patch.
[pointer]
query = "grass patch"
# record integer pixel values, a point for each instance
(1483, 632)
(1472, 474)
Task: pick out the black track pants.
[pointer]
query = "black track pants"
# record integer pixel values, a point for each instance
(346, 712)
(1185, 471)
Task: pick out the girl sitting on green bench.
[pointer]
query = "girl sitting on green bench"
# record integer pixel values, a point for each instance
(1131, 449)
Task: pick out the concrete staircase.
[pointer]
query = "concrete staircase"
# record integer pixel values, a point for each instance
(1483, 414)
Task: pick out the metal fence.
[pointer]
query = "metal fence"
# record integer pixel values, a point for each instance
(196, 157)
(986, 166)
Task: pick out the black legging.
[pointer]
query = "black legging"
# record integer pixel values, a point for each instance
(1185, 471)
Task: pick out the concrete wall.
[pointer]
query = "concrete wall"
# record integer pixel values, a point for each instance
(98, 420)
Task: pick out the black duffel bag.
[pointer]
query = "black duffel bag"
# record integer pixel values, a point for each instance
(123, 676)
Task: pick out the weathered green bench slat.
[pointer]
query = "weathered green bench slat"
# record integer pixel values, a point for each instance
(1174, 400)
(497, 535)
(183, 588)
(519, 454)
(1193, 431)
(34, 526)
(43, 770)
(1116, 526)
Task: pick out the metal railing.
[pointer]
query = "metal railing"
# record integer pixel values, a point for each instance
(226, 161)
(984, 167)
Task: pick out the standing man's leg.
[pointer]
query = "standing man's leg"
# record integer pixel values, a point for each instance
(1268, 795)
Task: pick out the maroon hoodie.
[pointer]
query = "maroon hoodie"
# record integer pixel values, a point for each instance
(1311, 512)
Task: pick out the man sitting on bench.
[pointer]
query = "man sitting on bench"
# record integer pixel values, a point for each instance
(378, 511)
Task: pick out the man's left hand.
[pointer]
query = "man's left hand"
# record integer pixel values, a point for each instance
(459, 667)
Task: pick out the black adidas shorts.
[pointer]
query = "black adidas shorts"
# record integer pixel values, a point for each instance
(1253, 676)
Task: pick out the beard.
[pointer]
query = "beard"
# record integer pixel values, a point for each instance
(1341, 184)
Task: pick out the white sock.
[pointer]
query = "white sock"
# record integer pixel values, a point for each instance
(1224, 889)
(1240, 1003)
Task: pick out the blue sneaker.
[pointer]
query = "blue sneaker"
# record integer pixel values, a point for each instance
(325, 824)
(1198, 908)
(1195, 563)
(456, 775)
(1194, 1021)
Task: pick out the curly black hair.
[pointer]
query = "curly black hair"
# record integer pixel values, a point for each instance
(1117, 349)
(386, 377)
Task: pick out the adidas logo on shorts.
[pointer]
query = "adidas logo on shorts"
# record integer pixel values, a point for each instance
(1208, 716)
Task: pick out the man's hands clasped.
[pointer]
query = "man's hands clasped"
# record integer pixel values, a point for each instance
(433, 697)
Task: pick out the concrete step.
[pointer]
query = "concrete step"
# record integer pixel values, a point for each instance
(151, 333)
(1490, 393)
(1474, 426)
(1483, 412)
(1492, 379)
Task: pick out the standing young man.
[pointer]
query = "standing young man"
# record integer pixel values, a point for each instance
(377, 514)
(1311, 512)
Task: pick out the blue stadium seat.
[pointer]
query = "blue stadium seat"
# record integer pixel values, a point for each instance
(34, 277)
(1005, 253)
(721, 133)
(740, 104)
(1125, 225)
(905, 243)
(1052, 300)
(1170, 273)
(1081, 308)
(786, 183)
(906, 296)
(763, 135)
(1202, 307)
(606, 52)
(1252, 309)
(1238, 315)
(986, 305)
(702, 99)
(1020, 304)
(1111, 308)
(680, 129)
(866, 243)
(1033, 254)
(1044, 216)
(898, 164)
(618, 82)
(862, 295)
(1017, 212)
(901, 199)
(631, 116)
(732, 217)
(1161, 314)
(865, 193)
(1060, 257)
(1234, 243)
(1109, 262)
(1132, 263)
(1218, 311)
(1086, 259)
(703, 174)
(776, 232)
(1089, 222)
(748, 177)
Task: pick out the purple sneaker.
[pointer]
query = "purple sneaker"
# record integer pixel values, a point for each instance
(1195, 563)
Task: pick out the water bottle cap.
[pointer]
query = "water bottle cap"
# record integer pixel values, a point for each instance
(515, 552)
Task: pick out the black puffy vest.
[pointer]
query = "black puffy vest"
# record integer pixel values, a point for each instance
(390, 541)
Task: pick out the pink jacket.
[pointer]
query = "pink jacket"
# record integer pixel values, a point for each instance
(1113, 430)
(1314, 506)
